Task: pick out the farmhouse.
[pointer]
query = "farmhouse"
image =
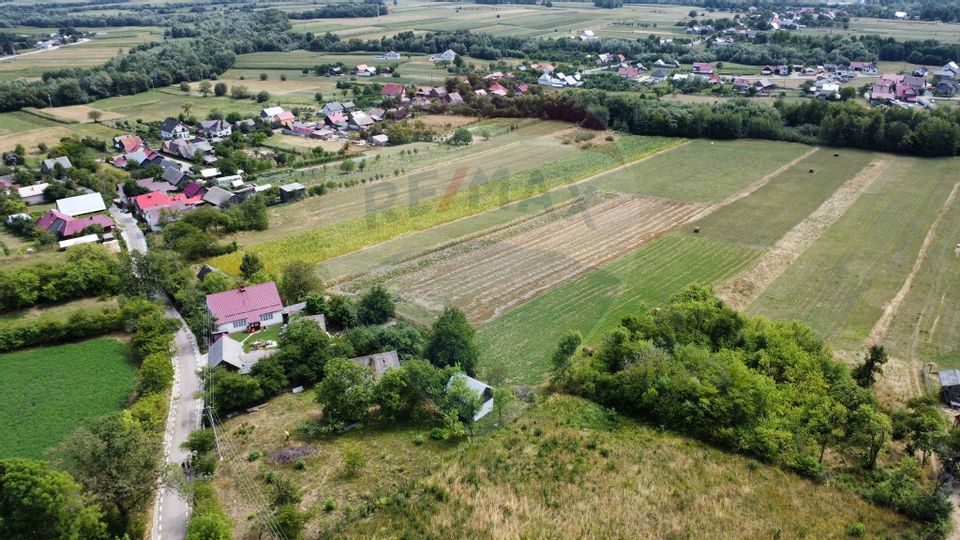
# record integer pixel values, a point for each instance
(702, 68)
(49, 166)
(81, 204)
(173, 129)
(483, 391)
(65, 226)
(950, 387)
(128, 143)
(364, 70)
(498, 89)
(32, 194)
(233, 310)
(866, 68)
(394, 91)
(392, 55)
(215, 129)
(187, 149)
(446, 56)
(159, 200)
(380, 363)
(175, 177)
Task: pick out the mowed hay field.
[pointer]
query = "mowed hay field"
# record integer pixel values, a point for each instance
(48, 392)
(570, 469)
(460, 200)
(842, 282)
(89, 54)
(494, 272)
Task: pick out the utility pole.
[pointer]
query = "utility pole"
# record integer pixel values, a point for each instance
(216, 437)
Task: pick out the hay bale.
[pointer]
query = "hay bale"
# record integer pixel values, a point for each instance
(696, 230)
(811, 171)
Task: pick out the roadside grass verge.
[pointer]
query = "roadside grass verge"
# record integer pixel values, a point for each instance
(340, 238)
(49, 391)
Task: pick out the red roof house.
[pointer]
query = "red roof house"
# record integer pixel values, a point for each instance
(142, 203)
(234, 310)
(702, 68)
(66, 226)
(128, 143)
(286, 117)
(498, 89)
(393, 90)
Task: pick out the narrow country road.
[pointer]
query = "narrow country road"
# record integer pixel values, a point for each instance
(171, 512)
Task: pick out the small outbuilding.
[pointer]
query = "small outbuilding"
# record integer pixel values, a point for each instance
(483, 391)
(950, 387)
(292, 192)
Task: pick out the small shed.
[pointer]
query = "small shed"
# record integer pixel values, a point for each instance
(483, 391)
(379, 363)
(950, 386)
(292, 192)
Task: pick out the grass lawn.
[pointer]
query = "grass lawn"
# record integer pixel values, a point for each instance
(556, 472)
(840, 285)
(522, 340)
(19, 257)
(270, 333)
(49, 391)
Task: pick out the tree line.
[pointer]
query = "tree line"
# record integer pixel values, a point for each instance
(367, 8)
(849, 124)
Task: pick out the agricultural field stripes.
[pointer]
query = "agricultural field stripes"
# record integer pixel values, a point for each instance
(742, 290)
(490, 274)
(702, 171)
(841, 283)
(522, 340)
(344, 237)
(48, 392)
(764, 216)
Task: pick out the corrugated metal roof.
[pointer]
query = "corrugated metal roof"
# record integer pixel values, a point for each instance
(949, 377)
(81, 204)
(245, 303)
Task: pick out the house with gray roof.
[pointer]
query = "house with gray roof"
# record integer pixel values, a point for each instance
(50, 165)
(380, 363)
(950, 386)
(483, 391)
(217, 196)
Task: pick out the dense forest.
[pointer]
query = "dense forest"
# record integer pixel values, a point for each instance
(368, 8)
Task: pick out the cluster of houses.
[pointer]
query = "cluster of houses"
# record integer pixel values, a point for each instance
(246, 310)
(75, 220)
(341, 118)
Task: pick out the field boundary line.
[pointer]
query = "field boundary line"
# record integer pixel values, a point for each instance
(743, 289)
(502, 226)
(752, 188)
(880, 328)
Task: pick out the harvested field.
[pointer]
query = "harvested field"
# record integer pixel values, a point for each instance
(447, 120)
(492, 273)
(79, 113)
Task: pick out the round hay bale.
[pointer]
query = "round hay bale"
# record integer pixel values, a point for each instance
(836, 154)
(696, 230)
(811, 171)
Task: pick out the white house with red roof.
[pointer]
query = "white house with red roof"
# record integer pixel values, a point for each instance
(159, 199)
(233, 310)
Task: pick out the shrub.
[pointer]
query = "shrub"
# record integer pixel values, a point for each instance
(418, 440)
(253, 455)
(329, 505)
(353, 462)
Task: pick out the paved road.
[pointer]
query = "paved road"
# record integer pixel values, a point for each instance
(171, 512)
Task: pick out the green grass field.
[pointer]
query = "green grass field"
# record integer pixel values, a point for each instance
(840, 285)
(701, 171)
(766, 215)
(521, 341)
(436, 208)
(48, 392)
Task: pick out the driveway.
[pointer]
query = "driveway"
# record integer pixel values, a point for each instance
(129, 230)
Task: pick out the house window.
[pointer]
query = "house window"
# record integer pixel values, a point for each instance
(242, 323)
(266, 317)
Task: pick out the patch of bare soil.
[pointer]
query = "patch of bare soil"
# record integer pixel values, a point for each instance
(746, 287)
(489, 274)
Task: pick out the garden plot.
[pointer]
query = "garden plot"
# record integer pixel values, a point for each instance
(489, 274)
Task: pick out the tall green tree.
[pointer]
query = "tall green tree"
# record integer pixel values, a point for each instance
(866, 373)
(376, 307)
(114, 461)
(452, 342)
(37, 501)
(298, 281)
(250, 265)
(345, 392)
